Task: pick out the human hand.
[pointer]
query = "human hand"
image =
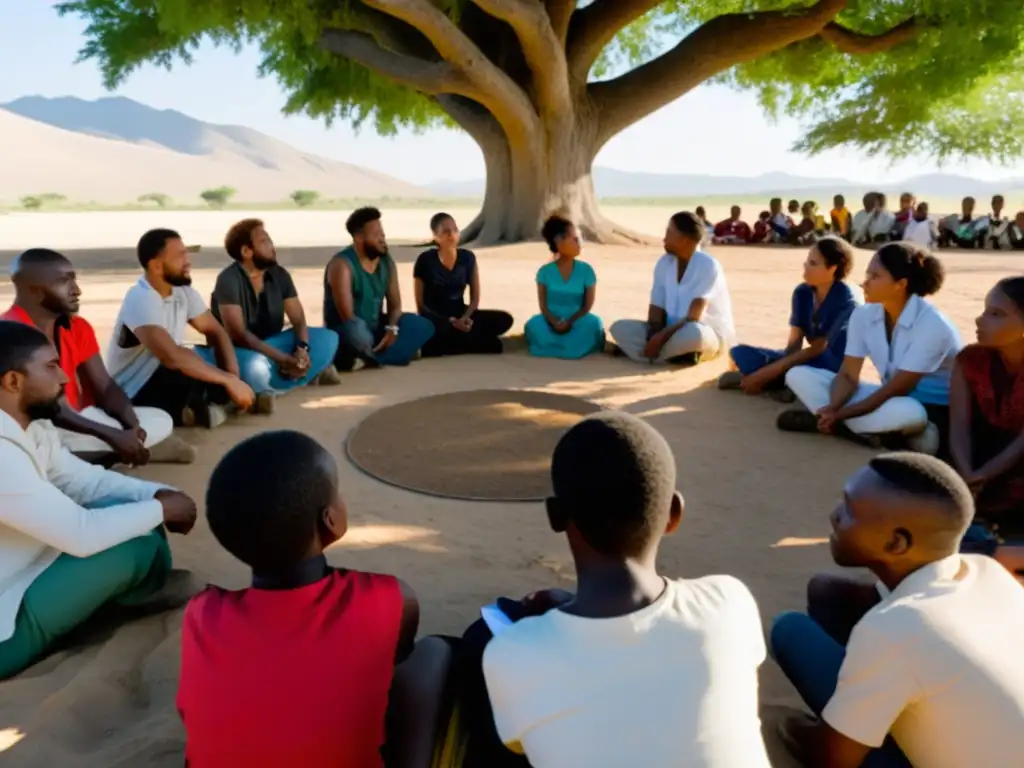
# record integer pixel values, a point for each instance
(241, 394)
(179, 510)
(655, 344)
(827, 419)
(544, 600)
(976, 482)
(130, 447)
(301, 356)
(560, 326)
(464, 324)
(389, 338)
(755, 383)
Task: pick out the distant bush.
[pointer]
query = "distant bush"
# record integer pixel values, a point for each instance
(35, 202)
(304, 197)
(218, 197)
(159, 198)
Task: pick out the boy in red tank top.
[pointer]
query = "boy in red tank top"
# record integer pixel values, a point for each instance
(300, 668)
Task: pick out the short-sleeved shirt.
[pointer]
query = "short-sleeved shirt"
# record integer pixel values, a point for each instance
(704, 278)
(369, 289)
(829, 320)
(75, 341)
(937, 664)
(276, 677)
(444, 290)
(565, 297)
(924, 341)
(129, 362)
(262, 315)
(672, 684)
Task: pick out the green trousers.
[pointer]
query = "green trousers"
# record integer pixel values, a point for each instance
(73, 588)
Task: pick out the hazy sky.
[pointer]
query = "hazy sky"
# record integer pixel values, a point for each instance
(711, 130)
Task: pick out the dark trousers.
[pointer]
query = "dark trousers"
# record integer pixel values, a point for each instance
(172, 391)
(484, 338)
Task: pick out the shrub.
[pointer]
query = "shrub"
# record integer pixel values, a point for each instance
(35, 202)
(159, 198)
(218, 196)
(304, 197)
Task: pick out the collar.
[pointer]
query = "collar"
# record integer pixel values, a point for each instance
(18, 314)
(241, 269)
(942, 570)
(11, 431)
(305, 573)
(915, 305)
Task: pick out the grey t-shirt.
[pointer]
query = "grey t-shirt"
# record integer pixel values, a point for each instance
(130, 363)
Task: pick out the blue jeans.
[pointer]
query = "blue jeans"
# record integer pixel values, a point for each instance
(263, 375)
(357, 341)
(750, 359)
(811, 659)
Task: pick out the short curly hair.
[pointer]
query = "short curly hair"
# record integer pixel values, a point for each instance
(240, 236)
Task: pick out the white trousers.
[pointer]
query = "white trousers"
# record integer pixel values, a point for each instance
(813, 388)
(158, 426)
(631, 337)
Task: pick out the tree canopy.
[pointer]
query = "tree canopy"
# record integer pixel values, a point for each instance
(889, 77)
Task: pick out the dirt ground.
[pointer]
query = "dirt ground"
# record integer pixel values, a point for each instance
(757, 499)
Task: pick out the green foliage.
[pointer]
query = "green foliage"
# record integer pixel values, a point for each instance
(218, 197)
(304, 197)
(159, 198)
(35, 202)
(955, 91)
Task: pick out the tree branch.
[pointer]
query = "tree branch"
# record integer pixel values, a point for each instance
(432, 77)
(593, 27)
(544, 55)
(560, 12)
(493, 88)
(714, 47)
(848, 41)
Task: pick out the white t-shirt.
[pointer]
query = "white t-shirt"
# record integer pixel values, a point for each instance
(704, 279)
(938, 664)
(130, 363)
(671, 686)
(921, 232)
(923, 341)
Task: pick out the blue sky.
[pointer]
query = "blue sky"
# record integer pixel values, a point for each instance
(38, 49)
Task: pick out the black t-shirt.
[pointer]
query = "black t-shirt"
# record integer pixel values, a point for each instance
(262, 315)
(444, 289)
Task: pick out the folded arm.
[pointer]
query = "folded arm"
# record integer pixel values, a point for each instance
(234, 324)
(217, 339)
(156, 339)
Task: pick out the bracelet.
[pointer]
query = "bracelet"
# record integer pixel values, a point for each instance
(392, 329)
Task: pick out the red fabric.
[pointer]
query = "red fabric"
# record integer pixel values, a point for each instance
(301, 677)
(77, 343)
(761, 231)
(730, 228)
(1003, 410)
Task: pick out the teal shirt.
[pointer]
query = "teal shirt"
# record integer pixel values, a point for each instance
(368, 290)
(565, 297)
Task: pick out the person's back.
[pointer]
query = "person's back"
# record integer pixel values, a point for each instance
(635, 669)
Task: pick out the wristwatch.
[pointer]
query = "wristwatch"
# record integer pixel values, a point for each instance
(302, 345)
(392, 329)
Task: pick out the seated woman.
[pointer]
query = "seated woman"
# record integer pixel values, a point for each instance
(566, 288)
(986, 405)
(441, 276)
(912, 346)
(811, 225)
(821, 309)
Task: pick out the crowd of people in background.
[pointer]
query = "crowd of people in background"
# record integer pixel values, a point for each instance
(314, 665)
(803, 223)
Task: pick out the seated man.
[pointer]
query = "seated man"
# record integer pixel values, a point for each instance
(636, 669)
(780, 222)
(301, 667)
(62, 558)
(996, 226)
(908, 205)
(841, 219)
(358, 281)
(732, 231)
(251, 299)
(96, 419)
(931, 674)
(810, 227)
(962, 231)
(690, 316)
(763, 232)
(146, 354)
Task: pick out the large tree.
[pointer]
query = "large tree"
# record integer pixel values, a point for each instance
(542, 85)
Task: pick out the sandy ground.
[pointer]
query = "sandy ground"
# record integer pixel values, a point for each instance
(757, 499)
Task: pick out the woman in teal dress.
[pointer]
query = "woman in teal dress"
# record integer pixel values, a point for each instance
(566, 288)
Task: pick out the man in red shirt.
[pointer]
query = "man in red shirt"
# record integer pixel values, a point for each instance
(300, 668)
(96, 417)
(732, 231)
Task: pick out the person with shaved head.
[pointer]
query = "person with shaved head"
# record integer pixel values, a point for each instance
(931, 674)
(96, 418)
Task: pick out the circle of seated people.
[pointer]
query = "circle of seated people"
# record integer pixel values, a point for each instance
(915, 669)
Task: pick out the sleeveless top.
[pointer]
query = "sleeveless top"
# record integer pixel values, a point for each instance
(280, 677)
(368, 290)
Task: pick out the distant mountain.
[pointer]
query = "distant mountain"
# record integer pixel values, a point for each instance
(164, 151)
(615, 183)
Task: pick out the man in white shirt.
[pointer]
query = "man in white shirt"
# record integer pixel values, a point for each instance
(635, 669)
(935, 662)
(73, 537)
(146, 356)
(921, 229)
(690, 314)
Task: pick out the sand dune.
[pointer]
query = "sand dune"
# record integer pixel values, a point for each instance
(90, 168)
